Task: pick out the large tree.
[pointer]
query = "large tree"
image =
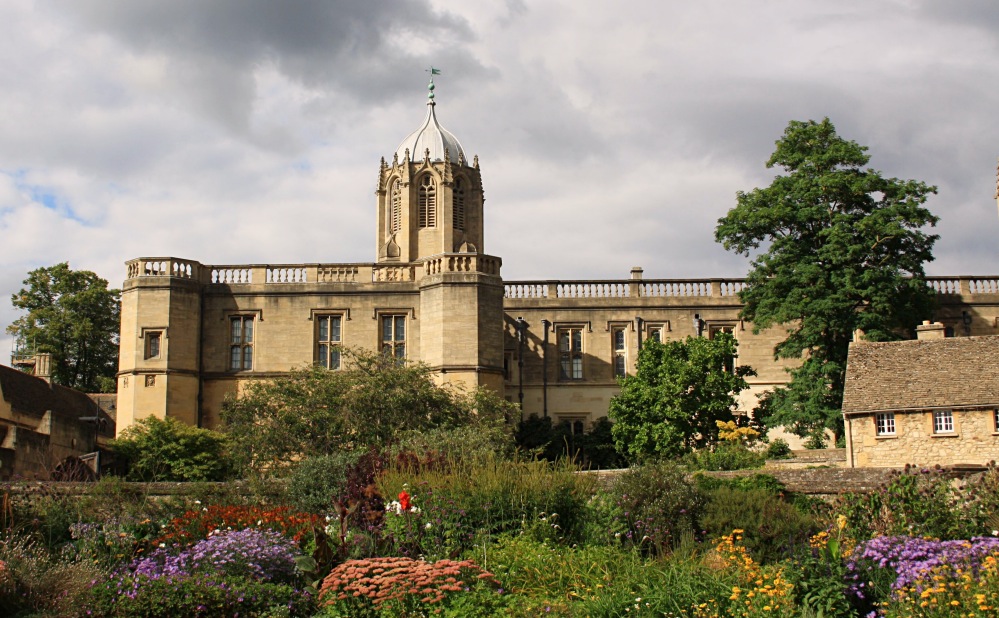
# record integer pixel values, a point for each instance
(837, 247)
(369, 403)
(679, 392)
(72, 315)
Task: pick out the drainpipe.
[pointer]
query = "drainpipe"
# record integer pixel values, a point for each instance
(638, 331)
(521, 328)
(545, 324)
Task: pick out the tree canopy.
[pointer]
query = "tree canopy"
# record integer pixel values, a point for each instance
(369, 403)
(679, 392)
(72, 315)
(837, 247)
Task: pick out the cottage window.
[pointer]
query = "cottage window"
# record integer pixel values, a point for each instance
(995, 420)
(885, 423)
(943, 421)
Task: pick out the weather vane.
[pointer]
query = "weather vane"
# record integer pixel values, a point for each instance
(430, 86)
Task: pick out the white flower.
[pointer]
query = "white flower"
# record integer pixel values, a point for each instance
(428, 526)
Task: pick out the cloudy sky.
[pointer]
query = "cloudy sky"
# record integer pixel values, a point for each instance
(610, 134)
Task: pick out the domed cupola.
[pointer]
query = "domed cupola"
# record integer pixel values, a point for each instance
(431, 136)
(429, 196)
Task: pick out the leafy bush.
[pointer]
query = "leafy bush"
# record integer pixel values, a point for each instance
(779, 449)
(660, 504)
(774, 529)
(317, 482)
(157, 449)
(725, 456)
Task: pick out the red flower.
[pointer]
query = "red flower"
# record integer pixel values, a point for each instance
(404, 500)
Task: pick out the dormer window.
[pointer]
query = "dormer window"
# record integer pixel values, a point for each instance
(459, 204)
(428, 202)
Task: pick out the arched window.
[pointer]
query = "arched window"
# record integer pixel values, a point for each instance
(395, 212)
(459, 204)
(428, 202)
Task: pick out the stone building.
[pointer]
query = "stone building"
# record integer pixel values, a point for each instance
(192, 333)
(932, 401)
(47, 430)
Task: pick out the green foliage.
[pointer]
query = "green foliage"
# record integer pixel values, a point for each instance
(773, 528)
(679, 392)
(463, 442)
(913, 503)
(593, 449)
(837, 247)
(370, 403)
(207, 596)
(748, 482)
(779, 449)
(317, 482)
(725, 456)
(36, 582)
(72, 315)
(661, 505)
(167, 450)
(468, 501)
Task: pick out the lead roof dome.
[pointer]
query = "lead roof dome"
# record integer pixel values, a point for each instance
(431, 136)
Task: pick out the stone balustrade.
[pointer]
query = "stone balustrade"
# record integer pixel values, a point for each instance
(284, 274)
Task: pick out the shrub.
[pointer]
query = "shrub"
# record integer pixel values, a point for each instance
(661, 506)
(774, 528)
(725, 456)
(317, 482)
(157, 449)
(779, 449)
(407, 587)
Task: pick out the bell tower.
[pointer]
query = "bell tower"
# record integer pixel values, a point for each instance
(430, 198)
(430, 216)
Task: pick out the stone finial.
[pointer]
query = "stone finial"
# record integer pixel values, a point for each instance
(426, 155)
(475, 161)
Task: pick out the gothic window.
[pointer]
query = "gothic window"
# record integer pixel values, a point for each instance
(241, 342)
(428, 202)
(570, 347)
(328, 341)
(394, 335)
(395, 213)
(459, 204)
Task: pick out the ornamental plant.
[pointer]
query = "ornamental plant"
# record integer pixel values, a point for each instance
(407, 587)
(195, 525)
(949, 590)
(262, 555)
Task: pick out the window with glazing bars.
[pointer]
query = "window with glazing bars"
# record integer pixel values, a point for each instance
(570, 345)
(619, 338)
(885, 423)
(328, 341)
(394, 335)
(241, 343)
(943, 421)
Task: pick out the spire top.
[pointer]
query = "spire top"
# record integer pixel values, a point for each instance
(430, 86)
